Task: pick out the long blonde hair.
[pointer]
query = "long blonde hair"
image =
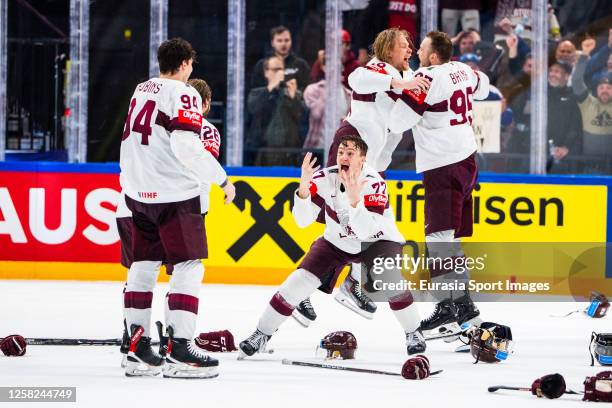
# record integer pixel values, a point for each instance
(385, 41)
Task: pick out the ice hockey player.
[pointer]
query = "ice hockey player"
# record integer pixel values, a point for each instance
(162, 167)
(211, 141)
(354, 196)
(441, 119)
(375, 88)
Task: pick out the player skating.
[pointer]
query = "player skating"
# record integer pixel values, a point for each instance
(354, 196)
(162, 167)
(441, 119)
(375, 89)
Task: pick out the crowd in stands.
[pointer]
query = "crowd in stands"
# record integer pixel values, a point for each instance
(287, 95)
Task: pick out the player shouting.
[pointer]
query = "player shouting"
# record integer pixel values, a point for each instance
(354, 197)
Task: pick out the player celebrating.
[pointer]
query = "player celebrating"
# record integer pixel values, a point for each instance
(162, 166)
(375, 89)
(441, 119)
(354, 196)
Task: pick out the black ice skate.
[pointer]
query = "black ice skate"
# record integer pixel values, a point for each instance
(125, 345)
(351, 296)
(466, 309)
(141, 359)
(163, 340)
(304, 313)
(442, 322)
(255, 343)
(467, 315)
(415, 342)
(186, 360)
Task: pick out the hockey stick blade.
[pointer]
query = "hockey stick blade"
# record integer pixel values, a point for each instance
(342, 368)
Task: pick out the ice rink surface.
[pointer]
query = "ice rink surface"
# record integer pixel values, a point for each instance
(543, 345)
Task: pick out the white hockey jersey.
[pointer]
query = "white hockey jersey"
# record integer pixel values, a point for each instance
(159, 110)
(347, 227)
(442, 117)
(212, 142)
(371, 104)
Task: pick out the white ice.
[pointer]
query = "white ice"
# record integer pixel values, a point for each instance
(543, 345)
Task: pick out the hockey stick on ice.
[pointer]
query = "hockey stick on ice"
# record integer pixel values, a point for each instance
(354, 369)
(506, 387)
(71, 342)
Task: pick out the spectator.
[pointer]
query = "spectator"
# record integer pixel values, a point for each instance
(275, 111)
(465, 11)
(348, 59)
(566, 52)
(564, 125)
(295, 67)
(468, 42)
(465, 43)
(514, 16)
(596, 110)
(315, 98)
(520, 78)
(382, 14)
(518, 50)
(600, 63)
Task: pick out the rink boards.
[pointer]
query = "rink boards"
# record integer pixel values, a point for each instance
(57, 222)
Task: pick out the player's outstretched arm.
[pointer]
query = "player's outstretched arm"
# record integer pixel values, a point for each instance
(417, 84)
(304, 211)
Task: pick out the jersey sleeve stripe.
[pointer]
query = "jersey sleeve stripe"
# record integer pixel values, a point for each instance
(378, 209)
(414, 105)
(332, 214)
(175, 124)
(163, 120)
(438, 107)
(364, 97)
(317, 200)
(393, 95)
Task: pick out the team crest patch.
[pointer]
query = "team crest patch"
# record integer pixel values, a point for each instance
(190, 117)
(375, 200)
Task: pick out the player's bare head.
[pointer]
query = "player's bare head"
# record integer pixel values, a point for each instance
(394, 47)
(203, 89)
(176, 56)
(352, 152)
(436, 48)
(280, 39)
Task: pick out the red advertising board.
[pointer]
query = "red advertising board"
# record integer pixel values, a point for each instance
(48, 216)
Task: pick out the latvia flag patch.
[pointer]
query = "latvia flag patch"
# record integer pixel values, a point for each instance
(190, 117)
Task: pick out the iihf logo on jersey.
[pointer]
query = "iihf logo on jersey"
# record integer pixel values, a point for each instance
(190, 117)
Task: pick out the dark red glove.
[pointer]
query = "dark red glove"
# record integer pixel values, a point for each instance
(550, 386)
(416, 368)
(216, 341)
(13, 345)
